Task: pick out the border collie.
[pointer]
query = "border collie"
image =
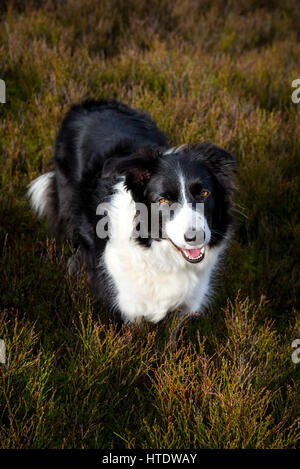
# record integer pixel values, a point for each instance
(110, 156)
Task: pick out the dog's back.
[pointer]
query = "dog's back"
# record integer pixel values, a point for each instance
(90, 133)
(93, 131)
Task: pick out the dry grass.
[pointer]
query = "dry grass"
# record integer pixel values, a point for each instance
(205, 70)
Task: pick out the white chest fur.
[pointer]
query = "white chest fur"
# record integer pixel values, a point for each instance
(150, 282)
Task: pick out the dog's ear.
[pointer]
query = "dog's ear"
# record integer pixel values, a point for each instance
(222, 164)
(218, 159)
(137, 167)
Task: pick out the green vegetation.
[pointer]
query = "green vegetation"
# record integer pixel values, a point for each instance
(204, 70)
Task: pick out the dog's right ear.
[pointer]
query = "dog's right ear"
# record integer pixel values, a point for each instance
(137, 167)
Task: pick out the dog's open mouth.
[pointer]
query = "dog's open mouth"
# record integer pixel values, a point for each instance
(191, 255)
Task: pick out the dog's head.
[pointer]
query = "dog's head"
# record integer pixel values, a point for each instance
(187, 193)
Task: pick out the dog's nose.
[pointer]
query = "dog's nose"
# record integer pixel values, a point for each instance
(194, 237)
(190, 236)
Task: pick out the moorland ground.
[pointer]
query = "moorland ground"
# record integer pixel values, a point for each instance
(205, 70)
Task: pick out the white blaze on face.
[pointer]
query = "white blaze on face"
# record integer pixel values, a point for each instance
(188, 221)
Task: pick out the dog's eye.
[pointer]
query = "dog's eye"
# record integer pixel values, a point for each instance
(204, 194)
(163, 201)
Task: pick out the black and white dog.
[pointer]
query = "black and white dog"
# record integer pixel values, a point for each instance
(110, 156)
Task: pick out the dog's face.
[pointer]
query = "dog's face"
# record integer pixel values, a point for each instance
(187, 192)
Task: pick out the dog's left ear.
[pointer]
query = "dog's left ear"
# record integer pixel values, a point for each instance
(220, 160)
(137, 167)
(222, 164)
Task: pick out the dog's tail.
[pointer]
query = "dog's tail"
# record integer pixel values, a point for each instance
(42, 194)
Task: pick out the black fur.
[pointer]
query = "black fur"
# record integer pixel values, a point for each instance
(98, 142)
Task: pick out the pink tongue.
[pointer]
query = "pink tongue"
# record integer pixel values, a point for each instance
(193, 252)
